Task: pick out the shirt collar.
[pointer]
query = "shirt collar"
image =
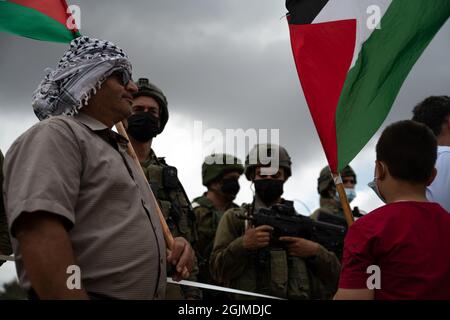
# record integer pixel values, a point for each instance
(204, 201)
(99, 127)
(90, 122)
(151, 159)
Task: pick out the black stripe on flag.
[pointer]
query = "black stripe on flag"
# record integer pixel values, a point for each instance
(304, 11)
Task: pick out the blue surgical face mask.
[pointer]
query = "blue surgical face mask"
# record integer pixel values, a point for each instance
(374, 186)
(349, 192)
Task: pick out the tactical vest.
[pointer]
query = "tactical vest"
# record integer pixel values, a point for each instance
(271, 271)
(178, 213)
(171, 197)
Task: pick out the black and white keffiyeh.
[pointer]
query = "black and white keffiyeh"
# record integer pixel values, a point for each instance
(79, 74)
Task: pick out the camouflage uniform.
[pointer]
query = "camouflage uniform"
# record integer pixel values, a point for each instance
(270, 270)
(177, 210)
(207, 217)
(279, 275)
(331, 209)
(5, 244)
(332, 206)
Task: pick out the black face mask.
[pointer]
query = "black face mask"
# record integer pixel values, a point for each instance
(269, 190)
(230, 187)
(143, 126)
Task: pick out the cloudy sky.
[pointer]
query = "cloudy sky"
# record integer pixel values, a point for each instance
(223, 64)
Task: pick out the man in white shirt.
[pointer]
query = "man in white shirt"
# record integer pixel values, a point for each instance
(435, 113)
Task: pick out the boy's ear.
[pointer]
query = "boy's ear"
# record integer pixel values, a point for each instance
(381, 170)
(432, 177)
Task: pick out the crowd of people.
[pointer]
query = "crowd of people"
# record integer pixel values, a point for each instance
(73, 196)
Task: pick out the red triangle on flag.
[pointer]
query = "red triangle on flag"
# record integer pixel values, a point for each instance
(323, 53)
(56, 9)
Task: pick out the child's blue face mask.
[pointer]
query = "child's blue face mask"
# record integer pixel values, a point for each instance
(374, 186)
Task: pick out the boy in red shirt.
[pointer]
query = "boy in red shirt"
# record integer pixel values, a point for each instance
(400, 251)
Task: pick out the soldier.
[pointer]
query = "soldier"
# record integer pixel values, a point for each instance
(5, 244)
(243, 256)
(329, 199)
(220, 175)
(149, 117)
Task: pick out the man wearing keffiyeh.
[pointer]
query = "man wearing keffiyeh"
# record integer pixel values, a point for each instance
(81, 216)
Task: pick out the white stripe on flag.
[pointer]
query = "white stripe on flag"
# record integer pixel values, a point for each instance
(353, 9)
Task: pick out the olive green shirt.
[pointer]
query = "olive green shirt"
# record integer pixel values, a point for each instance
(279, 275)
(5, 244)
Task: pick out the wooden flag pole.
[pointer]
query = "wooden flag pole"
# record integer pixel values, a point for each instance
(343, 197)
(166, 231)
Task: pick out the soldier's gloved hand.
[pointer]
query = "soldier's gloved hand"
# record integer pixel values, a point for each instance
(182, 256)
(256, 238)
(299, 247)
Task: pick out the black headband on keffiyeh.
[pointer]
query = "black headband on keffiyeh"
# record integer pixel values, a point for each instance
(79, 74)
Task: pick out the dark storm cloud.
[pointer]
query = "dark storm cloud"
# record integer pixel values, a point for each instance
(228, 63)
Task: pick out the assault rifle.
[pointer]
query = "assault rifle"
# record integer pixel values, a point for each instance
(287, 222)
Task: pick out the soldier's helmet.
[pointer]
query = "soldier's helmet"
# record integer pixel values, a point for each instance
(146, 88)
(217, 164)
(325, 180)
(253, 159)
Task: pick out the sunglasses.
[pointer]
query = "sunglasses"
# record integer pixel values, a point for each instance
(123, 76)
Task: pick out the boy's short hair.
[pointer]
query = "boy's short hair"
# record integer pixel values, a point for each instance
(433, 112)
(409, 149)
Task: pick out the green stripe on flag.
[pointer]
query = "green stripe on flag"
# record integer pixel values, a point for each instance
(383, 64)
(32, 24)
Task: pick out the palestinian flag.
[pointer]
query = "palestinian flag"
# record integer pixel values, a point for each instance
(352, 57)
(37, 19)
